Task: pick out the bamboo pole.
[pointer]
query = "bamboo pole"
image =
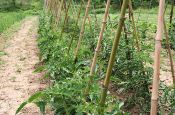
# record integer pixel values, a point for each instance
(65, 18)
(128, 52)
(73, 9)
(79, 12)
(89, 20)
(100, 39)
(112, 56)
(57, 12)
(135, 33)
(95, 16)
(60, 11)
(82, 31)
(171, 12)
(169, 52)
(154, 98)
(92, 70)
(77, 20)
(45, 4)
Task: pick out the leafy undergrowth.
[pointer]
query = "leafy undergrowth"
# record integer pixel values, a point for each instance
(130, 76)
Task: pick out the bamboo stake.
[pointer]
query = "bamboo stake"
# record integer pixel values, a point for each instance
(154, 98)
(90, 25)
(95, 16)
(72, 8)
(54, 8)
(79, 12)
(128, 52)
(92, 70)
(171, 12)
(65, 18)
(60, 10)
(112, 56)
(89, 20)
(135, 33)
(82, 31)
(100, 39)
(57, 12)
(45, 4)
(169, 52)
(78, 16)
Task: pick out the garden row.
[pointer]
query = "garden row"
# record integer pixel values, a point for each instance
(67, 43)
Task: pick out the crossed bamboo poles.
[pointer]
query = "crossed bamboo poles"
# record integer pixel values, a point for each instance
(161, 26)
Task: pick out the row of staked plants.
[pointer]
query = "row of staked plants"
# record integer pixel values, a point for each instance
(131, 75)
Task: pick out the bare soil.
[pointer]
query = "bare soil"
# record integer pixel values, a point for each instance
(17, 80)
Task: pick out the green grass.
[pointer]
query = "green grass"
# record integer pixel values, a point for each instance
(9, 18)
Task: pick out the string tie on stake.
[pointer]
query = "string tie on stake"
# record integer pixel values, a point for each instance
(96, 50)
(104, 87)
(122, 18)
(104, 22)
(158, 41)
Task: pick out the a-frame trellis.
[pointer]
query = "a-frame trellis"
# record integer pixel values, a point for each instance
(126, 3)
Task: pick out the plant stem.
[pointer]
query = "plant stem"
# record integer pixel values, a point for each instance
(112, 56)
(154, 98)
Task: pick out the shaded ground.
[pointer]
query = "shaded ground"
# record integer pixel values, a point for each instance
(17, 80)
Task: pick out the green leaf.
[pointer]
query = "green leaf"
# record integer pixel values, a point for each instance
(41, 105)
(35, 96)
(39, 69)
(30, 100)
(21, 107)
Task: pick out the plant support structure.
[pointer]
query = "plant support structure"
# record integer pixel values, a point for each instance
(112, 56)
(155, 89)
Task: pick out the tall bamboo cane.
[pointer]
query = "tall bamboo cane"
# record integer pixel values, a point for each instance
(77, 20)
(95, 16)
(169, 52)
(82, 30)
(79, 12)
(135, 33)
(154, 98)
(98, 46)
(57, 12)
(45, 4)
(100, 39)
(112, 56)
(60, 11)
(65, 18)
(171, 12)
(73, 9)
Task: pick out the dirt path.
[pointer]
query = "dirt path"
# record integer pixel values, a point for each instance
(165, 71)
(17, 80)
